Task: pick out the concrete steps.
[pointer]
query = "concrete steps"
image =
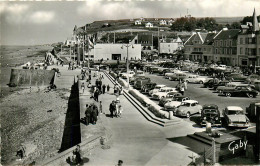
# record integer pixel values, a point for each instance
(200, 138)
(144, 111)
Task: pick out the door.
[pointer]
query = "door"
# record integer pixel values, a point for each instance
(116, 56)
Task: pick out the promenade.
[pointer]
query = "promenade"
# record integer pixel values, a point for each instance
(132, 138)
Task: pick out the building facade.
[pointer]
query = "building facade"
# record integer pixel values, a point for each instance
(170, 46)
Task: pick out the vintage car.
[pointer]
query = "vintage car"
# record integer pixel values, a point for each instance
(130, 74)
(240, 91)
(251, 79)
(251, 111)
(135, 78)
(178, 76)
(147, 87)
(221, 83)
(169, 97)
(156, 89)
(236, 77)
(188, 108)
(230, 85)
(235, 117)
(154, 69)
(211, 114)
(195, 79)
(162, 93)
(141, 82)
(175, 103)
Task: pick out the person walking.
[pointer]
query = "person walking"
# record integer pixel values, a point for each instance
(96, 94)
(182, 89)
(100, 107)
(111, 109)
(87, 115)
(108, 87)
(103, 88)
(120, 110)
(95, 114)
(83, 87)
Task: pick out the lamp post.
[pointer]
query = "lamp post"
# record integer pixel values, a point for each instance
(127, 61)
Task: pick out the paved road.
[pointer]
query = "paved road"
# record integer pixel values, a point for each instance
(139, 142)
(206, 96)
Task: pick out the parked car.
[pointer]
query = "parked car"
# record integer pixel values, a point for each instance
(130, 74)
(154, 70)
(221, 83)
(210, 82)
(210, 113)
(156, 89)
(230, 85)
(178, 76)
(139, 73)
(175, 103)
(141, 82)
(240, 91)
(251, 79)
(195, 79)
(251, 111)
(135, 78)
(162, 93)
(147, 87)
(188, 108)
(236, 77)
(201, 71)
(169, 97)
(235, 117)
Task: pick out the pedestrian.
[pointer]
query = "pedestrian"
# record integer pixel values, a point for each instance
(120, 163)
(115, 89)
(103, 88)
(108, 87)
(91, 108)
(83, 87)
(111, 109)
(95, 114)
(182, 89)
(120, 110)
(96, 94)
(185, 84)
(87, 114)
(78, 154)
(100, 107)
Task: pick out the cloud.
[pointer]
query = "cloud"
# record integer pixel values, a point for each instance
(42, 17)
(15, 9)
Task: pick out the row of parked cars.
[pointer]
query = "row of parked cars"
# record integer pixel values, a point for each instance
(171, 100)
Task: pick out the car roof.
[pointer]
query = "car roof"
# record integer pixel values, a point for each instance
(190, 101)
(160, 85)
(210, 106)
(234, 108)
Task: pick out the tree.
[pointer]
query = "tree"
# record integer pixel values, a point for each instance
(235, 25)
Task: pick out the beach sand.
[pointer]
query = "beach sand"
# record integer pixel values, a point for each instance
(32, 119)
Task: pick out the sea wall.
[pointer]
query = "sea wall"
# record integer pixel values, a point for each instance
(27, 77)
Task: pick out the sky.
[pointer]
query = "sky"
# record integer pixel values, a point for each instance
(45, 22)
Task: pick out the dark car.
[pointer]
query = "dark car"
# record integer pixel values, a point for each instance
(221, 83)
(211, 114)
(240, 91)
(210, 83)
(236, 77)
(162, 72)
(147, 87)
(154, 70)
(170, 97)
(251, 111)
(141, 82)
(135, 78)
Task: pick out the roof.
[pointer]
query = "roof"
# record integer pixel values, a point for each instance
(209, 39)
(190, 101)
(227, 34)
(145, 38)
(210, 106)
(236, 108)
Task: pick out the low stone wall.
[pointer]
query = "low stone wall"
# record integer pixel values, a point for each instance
(152, 106)
(27, 77)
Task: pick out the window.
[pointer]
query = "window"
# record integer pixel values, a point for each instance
(241, 50)
(225, 43)
(216, 51)
(230, 43)
(220, 43)
(241, 40)
(216, 43)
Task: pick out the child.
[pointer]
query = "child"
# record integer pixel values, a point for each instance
(100, 107)
(120, 111)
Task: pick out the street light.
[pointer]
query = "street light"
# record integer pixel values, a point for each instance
(127, 61)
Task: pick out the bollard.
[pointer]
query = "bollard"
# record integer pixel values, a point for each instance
(208, 127)
(171, 117)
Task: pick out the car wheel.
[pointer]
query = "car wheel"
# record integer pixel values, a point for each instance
(228, 94)
(250, 95)
(188, 114)
(201, 82)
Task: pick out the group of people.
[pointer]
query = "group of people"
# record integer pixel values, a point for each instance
(72, 65)
(76, 158)
(115, 109)
(92, 112)
(182, 86)
(117, 90)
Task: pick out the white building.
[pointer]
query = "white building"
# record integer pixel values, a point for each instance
(138, 22)
(108, 51)
(163, 22)
(169, 46)
(148, 25)
(170, 22)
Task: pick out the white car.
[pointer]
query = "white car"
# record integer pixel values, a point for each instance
(188, 108)
(156, 89)
(130, 74)
(195, 79)
(175, 103)
(162, 93)
(235, 117)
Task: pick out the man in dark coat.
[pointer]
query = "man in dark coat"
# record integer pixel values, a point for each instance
(111, 109)
(104, 88)
(87, 114)
(95, 114)
(96, 94)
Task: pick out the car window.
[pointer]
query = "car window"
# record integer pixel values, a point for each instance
(210, 111)
(186, 104)
(193, 104)
(235, 112)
